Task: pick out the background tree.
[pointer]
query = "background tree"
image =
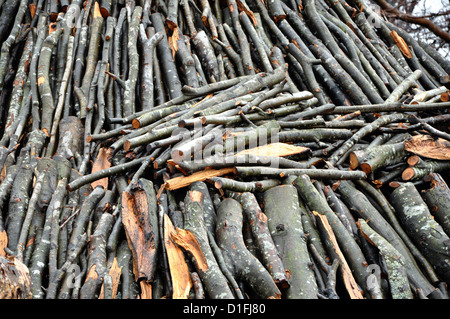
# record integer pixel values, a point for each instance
(427, 20)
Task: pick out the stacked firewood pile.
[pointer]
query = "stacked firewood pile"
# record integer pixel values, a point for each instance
(240, 149)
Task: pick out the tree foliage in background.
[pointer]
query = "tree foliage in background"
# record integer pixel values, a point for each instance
(427, 20)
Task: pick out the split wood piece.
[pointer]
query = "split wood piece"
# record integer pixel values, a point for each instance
(214, 281)
(261, 234)
(427, 95)
(140, 221)
(242, 264)
(96, 266)
(101, 162)
(187, 240)
(423, 229)
(14, 279)
(179, 271)
(115, 273)
(281, 206)
(330, 174)
(261, 135)
(397, 277)
(183, 181)
(350, 248)
(382, 156)
(437, 197)
(362, 207)
(428, 147)
(240, 186)
(275, 149)
(349, 281)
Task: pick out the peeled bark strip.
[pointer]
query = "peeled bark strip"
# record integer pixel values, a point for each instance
(238, 258)
(423, 229)
(259, 226)
(214, 281)
(281, 205)
(398, 280)
(139, 217)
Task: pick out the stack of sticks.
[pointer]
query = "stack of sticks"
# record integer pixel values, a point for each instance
(220, 149)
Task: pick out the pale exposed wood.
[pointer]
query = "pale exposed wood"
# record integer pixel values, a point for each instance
(349, 280)
(101, 162)
(183, 181)
(3, 242)
(179, 272)
(115, 272)
(274, 149)
(186, 240)
(401, 44)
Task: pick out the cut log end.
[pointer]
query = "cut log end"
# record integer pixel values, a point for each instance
(353, 160)
(366, 168)
(408, 174)
(413, 160)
